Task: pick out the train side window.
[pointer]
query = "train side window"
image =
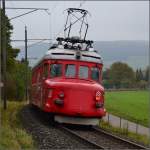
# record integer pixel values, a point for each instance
(70, 70)
(45, 70)
(56, 70)
(95, 73)
(83, 72)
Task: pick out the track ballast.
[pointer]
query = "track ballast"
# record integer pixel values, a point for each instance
(48, 134)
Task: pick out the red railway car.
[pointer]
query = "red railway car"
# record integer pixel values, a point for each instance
(67, 82)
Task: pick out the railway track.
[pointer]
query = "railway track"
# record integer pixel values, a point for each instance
(82, 138)
(101, 139)
(47, 134)
(117, 138)
(51, 135)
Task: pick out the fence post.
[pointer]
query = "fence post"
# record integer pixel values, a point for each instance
(137, 128)
(120, 122)
(127, 126)
(108, 118)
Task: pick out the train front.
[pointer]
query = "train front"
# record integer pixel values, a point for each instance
(74, 91)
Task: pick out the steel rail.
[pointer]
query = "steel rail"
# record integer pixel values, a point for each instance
(81, 137)
(99, 130)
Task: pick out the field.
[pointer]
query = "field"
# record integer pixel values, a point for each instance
(13, 136)
(131, 105)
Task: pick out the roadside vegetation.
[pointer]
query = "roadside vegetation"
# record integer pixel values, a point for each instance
(16, 69)
(12, 134)
(131, 105)
(141, 139)
(121, 76)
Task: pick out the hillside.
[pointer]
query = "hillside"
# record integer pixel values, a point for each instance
(135, 53)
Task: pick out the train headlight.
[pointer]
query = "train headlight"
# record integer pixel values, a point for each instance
(61, 95)
(98, 96)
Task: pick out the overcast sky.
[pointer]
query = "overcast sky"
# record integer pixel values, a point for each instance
(110, 20)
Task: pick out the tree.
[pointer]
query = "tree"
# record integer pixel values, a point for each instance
(11, 52)
(137, 75)
(15, 69)
(147, 74)
(121, 75)
(141, 74)
(106, 79)
(106, 74)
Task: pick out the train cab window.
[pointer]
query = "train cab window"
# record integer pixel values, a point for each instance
(45, 70)
(70, 70)
(83, 72)
(95, 73)
(56, 70)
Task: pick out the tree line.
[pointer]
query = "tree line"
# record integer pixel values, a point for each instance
(121, 75)
(15, 73)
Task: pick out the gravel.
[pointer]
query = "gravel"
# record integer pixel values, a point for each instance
(45, 134)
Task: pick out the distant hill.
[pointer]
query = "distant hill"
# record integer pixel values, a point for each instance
(135, 53)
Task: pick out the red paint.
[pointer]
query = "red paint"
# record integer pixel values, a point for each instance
(75, 97)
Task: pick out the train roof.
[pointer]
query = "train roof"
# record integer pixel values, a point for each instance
(61, 53)
(71, 54)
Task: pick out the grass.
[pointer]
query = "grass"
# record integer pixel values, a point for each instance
(12, 134)
(142, 139)
(131, 105)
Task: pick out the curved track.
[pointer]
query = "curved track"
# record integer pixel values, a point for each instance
(102, 138)
(51, 135)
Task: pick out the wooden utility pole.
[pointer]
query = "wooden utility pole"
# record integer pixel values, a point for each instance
(4, 55)
(26, 63)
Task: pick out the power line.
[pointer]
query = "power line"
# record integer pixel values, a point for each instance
(81, 3)
(32, 10)
(17, 13)
(26, 46)
(29, 40)
(35, 43)
(26, 8)
(23, 14)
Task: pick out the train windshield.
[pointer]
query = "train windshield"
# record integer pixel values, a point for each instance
(56, 70)
(83, 72)
(70, 70)
(95, 73)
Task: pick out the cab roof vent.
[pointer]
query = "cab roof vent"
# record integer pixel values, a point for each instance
(91, 56)
(62, 54)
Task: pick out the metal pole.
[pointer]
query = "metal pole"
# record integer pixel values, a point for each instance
(4, 54)
(26, 63)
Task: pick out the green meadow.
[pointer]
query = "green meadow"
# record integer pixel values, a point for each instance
(131, 105)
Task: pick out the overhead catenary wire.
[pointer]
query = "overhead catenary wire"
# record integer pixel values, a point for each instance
(17, 13)
(16, 8)
(32, 10)
(35, 43)
(81, 3)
